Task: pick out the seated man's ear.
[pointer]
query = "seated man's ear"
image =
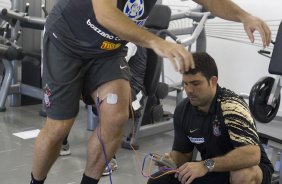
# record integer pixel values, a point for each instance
(213, 81)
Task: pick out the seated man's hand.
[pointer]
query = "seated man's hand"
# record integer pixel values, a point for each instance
(189, 171)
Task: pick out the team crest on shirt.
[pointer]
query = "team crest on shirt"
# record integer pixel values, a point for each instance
(47, 94)
(216, 128)
(134, 9)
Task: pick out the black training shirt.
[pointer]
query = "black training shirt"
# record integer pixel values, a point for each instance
(227, 125)
(72, 26)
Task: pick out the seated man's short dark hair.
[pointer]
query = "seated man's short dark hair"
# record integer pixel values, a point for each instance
(205, 64)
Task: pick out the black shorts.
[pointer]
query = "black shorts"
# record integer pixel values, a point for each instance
(266, 173)
(265, 166)
(66, 78)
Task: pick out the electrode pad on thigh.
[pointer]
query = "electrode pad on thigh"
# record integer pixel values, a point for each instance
(112, 98)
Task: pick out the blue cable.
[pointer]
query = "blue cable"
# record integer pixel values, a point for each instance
(101, 141)
(143, 165)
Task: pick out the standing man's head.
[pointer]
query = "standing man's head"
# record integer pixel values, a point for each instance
(200, 83)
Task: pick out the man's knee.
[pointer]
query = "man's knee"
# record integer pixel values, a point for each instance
(117, 117)
(252, 175)
(114, 110)
(56, 130)
(112, 102)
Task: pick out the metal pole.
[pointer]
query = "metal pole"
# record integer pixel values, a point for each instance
(30, 40)
(16, 4)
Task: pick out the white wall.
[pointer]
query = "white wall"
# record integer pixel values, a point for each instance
(240, 66)
(5, 4)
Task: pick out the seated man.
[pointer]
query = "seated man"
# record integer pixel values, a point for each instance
(218, 123)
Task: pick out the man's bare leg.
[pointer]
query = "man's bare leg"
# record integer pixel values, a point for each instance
(112, 119)
(47, 146)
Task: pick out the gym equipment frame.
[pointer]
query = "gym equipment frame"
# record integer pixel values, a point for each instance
(11, 84)
(264, 99)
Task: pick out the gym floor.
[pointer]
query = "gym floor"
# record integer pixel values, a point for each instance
(16, 153)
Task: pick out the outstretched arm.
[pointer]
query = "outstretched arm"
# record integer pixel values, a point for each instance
(110, 17)
(228, 10)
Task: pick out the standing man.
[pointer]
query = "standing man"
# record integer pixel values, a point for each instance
(83, 54)
(218, 123)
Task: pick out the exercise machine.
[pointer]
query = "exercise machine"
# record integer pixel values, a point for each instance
(12, 84)
(264, 101)
(264, 98)
(196, 34)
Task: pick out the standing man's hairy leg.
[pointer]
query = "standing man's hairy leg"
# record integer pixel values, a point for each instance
(112, 119)
(251, 175)
(48, 144)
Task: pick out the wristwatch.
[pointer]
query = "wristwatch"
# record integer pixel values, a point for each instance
(209, 164)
